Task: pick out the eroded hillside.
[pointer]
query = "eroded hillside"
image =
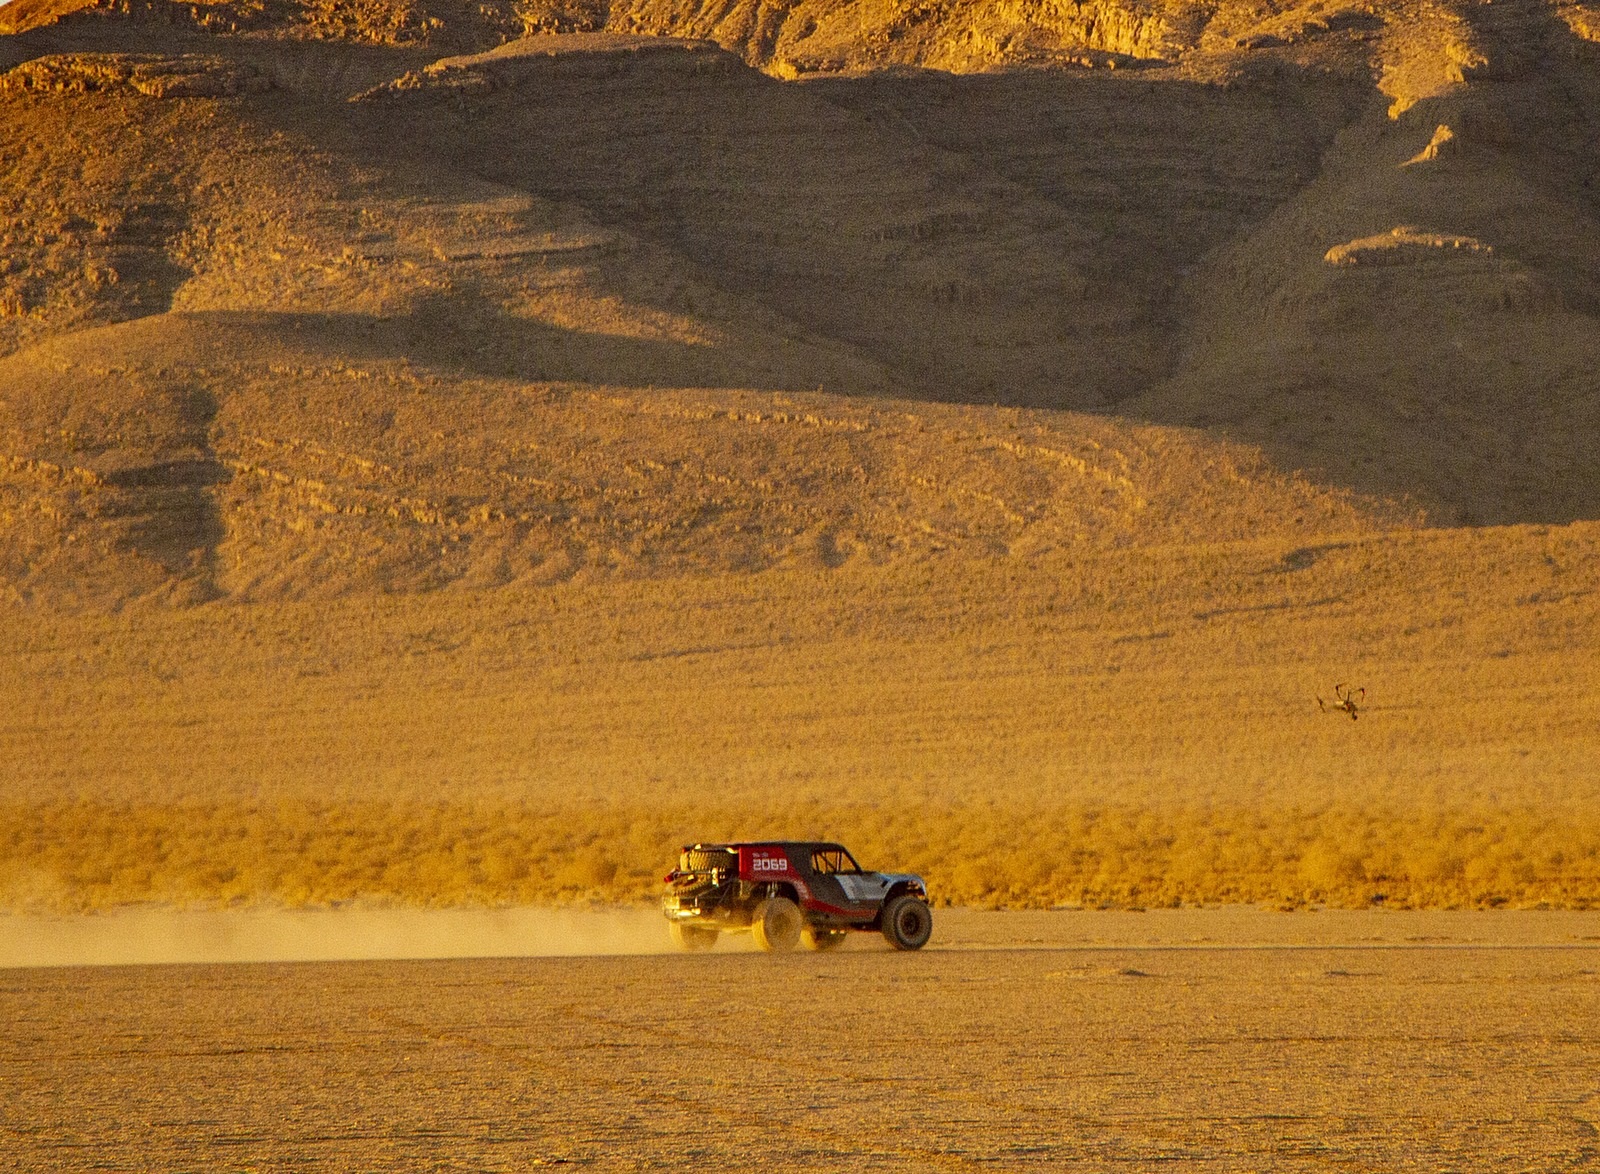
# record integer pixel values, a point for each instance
(299, 352)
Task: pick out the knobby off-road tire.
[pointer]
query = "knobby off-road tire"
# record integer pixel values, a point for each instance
(776, 925)
(907, 922)
(822, 939)
(691, 937)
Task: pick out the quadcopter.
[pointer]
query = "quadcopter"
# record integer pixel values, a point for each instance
(1348, 699)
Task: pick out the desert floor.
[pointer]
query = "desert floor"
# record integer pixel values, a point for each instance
(1229, 1039)
(457, 454)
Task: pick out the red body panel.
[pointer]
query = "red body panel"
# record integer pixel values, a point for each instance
(770, 863)
(765, 862)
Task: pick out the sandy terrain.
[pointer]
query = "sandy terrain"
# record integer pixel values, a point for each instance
(1364, 1040)
(1132, 727)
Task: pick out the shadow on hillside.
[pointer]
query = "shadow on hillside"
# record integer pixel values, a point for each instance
(1471, 381)
(1012, 238)
(1031, 239)
(169, 502)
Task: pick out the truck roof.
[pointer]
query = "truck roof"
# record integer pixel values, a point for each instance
(807, 845)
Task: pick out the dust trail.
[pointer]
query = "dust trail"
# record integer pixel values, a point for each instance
(160, 935)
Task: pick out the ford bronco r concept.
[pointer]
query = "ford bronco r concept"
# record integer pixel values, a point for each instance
(787, 892)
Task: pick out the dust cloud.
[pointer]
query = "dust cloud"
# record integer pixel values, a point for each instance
(152, 935)
(165, 935)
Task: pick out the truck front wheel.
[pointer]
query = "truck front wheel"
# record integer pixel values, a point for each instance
(776, 924)
(907, 922)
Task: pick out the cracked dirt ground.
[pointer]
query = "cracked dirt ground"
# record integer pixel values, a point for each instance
(1016, 1045)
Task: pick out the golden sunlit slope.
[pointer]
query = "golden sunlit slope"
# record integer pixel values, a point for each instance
(1417, 48)
(437, 23)
(328, 465)
(1424, 43)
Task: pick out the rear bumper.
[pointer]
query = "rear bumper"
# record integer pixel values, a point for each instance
(705, 909)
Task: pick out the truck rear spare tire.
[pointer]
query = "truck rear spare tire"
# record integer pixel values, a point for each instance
(776, 924)
(907, 923)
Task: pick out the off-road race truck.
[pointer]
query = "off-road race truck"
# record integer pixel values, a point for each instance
(786, 892)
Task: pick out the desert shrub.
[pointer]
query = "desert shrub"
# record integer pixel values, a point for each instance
(87, 856)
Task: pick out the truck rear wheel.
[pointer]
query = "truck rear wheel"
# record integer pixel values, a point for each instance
(691, 937)
(776, 925)
(907, 922)
(822, 939)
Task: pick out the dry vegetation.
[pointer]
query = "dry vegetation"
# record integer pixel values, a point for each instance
(1020, 854)
(442, 468)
